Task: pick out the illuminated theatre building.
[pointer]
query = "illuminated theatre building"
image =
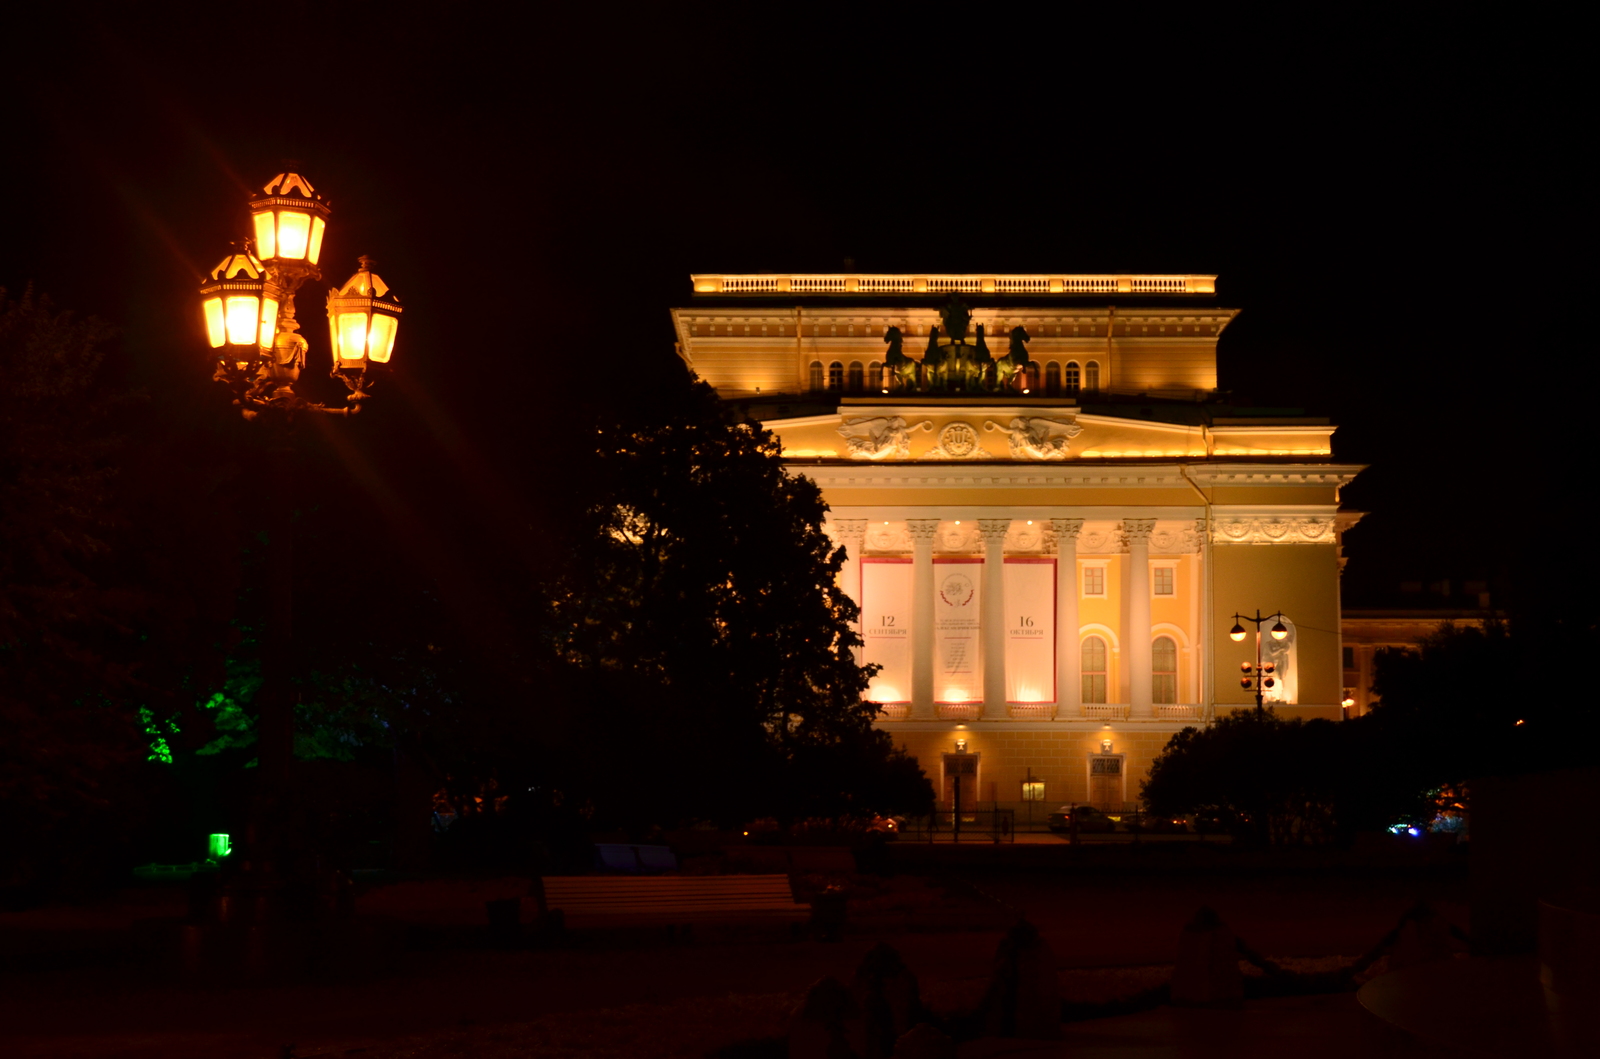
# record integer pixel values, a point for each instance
(1050, 522)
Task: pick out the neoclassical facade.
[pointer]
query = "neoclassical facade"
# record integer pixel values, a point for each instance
(1050, 520)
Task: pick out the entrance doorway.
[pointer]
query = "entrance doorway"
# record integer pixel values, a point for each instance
(964, 766)
(1105, 782)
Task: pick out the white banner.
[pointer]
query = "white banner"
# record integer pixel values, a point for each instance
(957, 603)
(886, 627)
(1030, 623)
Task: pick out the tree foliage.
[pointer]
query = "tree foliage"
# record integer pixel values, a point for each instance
(704, 643)
(1274, 779)
(70, 732)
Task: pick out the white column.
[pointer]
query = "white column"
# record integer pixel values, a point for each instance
(993, 616)
(848, 533)
(922, 531)
(1136, 641)
(1069, 683)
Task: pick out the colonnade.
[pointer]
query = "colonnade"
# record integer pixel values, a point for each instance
(1136, 632)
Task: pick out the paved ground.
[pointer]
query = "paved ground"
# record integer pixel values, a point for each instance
(1112, 928)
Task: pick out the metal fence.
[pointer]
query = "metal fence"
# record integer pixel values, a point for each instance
(969, 825)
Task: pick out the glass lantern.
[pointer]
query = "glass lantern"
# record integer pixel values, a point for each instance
(363, 316)
(240, 306)
(290, 219)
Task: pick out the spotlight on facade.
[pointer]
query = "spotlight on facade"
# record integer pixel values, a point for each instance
(1105, 746)
(961, 746)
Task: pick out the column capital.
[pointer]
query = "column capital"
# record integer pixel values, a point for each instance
(994, 529)
(1066, 530)
(922, 529)
(847, 531)
(1136, 531)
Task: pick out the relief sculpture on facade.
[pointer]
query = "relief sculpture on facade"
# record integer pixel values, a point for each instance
(877, 437)
(1037, 438)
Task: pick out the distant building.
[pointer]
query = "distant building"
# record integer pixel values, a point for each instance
(1368, 631)
(1051, 516)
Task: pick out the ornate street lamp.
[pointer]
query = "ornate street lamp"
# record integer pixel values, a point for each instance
(241, 316)
(247, 304)
(289, 220)
(1258, 676)
(363, 316)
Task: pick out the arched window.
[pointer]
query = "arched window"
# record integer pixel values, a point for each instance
(875, 376)
(836, 376)
(1094, 669)
(1052, 379)
(855, 376)
(1091, 375)
(1073, 385)
(1164, 671)
(1030, 378)
(816, 375)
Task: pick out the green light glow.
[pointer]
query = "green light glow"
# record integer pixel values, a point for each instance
(219, 847)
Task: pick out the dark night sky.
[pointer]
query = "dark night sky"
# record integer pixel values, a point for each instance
(1389, 202)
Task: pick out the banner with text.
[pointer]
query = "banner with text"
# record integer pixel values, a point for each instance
(957, 604)
(886, 627)
(1030, 623)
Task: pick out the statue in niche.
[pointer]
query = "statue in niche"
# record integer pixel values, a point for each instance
(902, 369)
(1283, 656)
(876, 437)
(1037, 438)
(1014, 363)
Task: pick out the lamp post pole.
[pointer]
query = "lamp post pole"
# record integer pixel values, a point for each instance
(248, 305)
(1258, 676)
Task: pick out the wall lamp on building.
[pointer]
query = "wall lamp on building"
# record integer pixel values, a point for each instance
(1258, 677)
(248, 306)
(961, 746)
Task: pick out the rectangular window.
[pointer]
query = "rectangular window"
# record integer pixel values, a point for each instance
(1164, 688)
(1094, 580)
(1349, 657)
(1094, 687)
(1162, 580)
(1033, 790)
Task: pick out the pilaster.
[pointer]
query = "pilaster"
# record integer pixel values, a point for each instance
(922, 531)
(992, 614)
(1136, 640)
(1069, 683)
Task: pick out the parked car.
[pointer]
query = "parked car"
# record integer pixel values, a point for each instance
(1091, 821)
(1153, 824)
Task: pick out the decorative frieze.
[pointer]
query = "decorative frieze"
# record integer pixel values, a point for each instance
(1098, 540)
(879, 437)
(1037, 438)
(892, 537)
(1177, 540)
(1273, 529)
(958, 441)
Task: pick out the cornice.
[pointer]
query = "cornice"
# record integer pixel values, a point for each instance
(856, 475)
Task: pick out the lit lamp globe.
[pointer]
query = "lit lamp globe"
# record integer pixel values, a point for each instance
(289, 220)
(240, 308)
(363, 316)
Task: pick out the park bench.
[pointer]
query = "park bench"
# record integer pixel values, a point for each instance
(586, 901)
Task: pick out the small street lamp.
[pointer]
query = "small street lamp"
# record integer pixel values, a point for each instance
(1258, 677)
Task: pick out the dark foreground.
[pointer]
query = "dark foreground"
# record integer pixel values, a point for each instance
(76, 981)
